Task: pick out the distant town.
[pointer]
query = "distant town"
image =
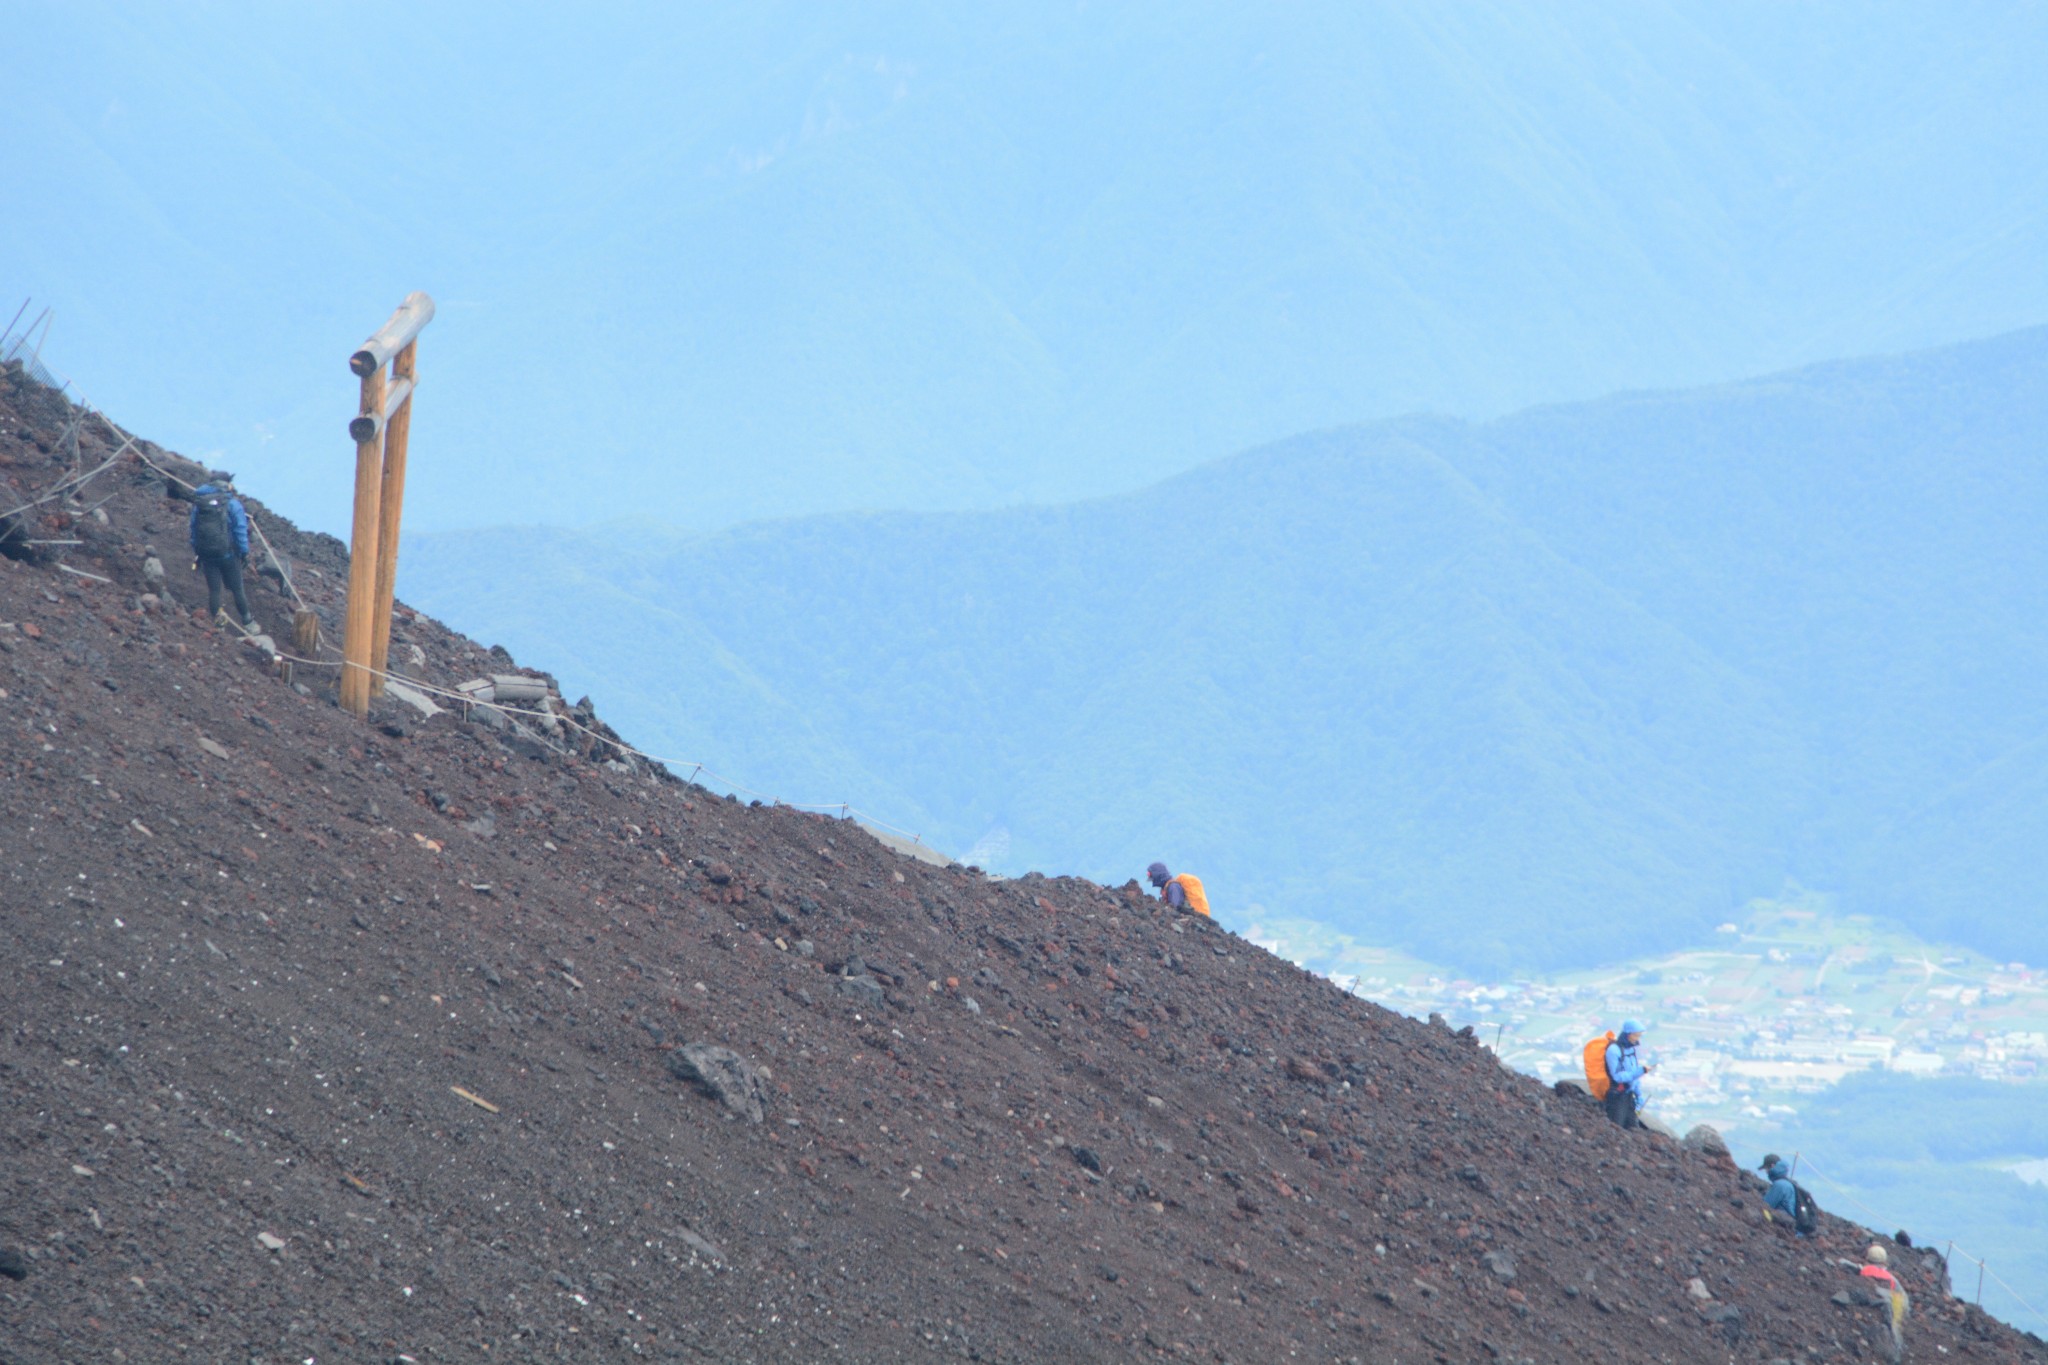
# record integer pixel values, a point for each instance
(1787, 1001)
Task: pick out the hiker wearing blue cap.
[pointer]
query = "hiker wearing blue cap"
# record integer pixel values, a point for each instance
(1182, 893)
(1625, 1074)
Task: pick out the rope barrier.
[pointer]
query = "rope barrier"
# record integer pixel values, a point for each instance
(698, 770)
(1878, 1220)
(58, 488)
(128, 441)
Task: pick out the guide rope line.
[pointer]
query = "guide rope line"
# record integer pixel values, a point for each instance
(128, 442)
(58, 488)
(674, 764)
(1878, 1220)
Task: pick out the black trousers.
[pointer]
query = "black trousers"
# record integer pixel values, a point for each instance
(1621, 1106)
(228, 573)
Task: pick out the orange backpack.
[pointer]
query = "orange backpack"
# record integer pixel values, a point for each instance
(1191, 887)
(1596, 1066)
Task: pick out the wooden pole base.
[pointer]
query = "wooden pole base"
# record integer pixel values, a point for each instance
(362, 558)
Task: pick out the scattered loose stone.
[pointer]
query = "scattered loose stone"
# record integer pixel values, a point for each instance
(721, 1073)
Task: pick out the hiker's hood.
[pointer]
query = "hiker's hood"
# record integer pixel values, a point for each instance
(1628, 1027)
(1779, 1170)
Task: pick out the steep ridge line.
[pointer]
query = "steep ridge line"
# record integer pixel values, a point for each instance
(267, 961)
(71, 484)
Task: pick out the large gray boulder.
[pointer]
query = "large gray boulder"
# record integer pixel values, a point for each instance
(1708, 1142)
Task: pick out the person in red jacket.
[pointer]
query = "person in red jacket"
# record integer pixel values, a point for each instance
(1876, 1267)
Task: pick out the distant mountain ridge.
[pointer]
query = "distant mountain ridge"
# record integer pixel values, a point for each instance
(790, 259)
(1592, 672)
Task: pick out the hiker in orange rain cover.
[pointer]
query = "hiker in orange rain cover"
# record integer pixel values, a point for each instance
(1182, 893)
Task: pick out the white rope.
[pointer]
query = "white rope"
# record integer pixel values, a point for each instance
(58, 488)
(127, 441)
(1878, 1220)
(698, 769)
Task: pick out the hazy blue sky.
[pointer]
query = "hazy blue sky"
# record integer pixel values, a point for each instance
(709, 263)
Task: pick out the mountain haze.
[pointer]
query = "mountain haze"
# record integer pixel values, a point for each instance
(718, 265)
(1575, 681)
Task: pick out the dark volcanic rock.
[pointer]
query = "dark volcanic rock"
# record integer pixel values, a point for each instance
(862, 989)
(722, 1074)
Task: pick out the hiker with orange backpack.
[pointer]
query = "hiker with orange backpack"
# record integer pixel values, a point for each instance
(1182, 893)
(1615, 1074)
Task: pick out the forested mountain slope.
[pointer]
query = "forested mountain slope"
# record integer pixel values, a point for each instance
(1569, 684)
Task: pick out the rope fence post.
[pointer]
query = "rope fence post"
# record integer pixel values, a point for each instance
(364, 645)
(391, 506)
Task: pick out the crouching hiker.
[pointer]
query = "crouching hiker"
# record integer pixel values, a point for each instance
(1786, 1201)
(1875, 1267)
(1182, 893)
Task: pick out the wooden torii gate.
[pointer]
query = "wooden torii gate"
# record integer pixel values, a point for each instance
(380, 429)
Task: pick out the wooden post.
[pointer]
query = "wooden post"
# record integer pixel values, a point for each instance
(305, 637)
(391, 506)
(382, 423)
(363, 555)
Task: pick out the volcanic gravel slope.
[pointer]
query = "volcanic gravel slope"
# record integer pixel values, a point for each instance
(361, 1043)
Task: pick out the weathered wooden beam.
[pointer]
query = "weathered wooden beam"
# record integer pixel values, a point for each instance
(362, 428)
(395, 335)
(305, 639)
(362, 558)
(506, 687)
(390, 507)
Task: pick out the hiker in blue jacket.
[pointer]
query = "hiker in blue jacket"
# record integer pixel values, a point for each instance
(1782, 1198)
(220, 542)
(1625, 1074)
(1785, 1201)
